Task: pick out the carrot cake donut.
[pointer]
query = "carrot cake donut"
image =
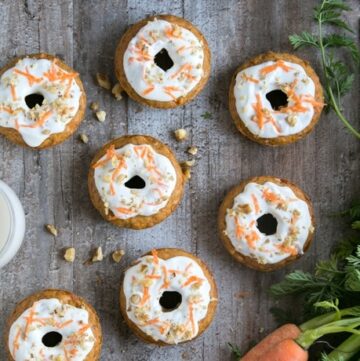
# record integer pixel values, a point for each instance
(162, 61)
(53, 325)
(168, 296)
(42, 101)
(275, 99)
(266, 222)
(135, 181)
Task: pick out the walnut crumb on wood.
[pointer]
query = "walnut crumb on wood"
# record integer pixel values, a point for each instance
(69, 254)
(103, 81)
(192, 150)
(187, 174)
(118, 255)
(116, 91)
(98, 255)
(51, 229)
(84, 138)
(94, 106)
(188, 163)
(101, 115)
(180, 134)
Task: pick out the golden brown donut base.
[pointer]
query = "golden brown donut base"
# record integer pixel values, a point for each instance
(14, 136)
(228, 203)
(282, 140)
(166, 253)
(138, 222)
(131, 33)
(65, 297)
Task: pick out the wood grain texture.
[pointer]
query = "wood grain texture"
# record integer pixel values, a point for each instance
(52, 183)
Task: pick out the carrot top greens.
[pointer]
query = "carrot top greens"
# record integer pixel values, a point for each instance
(338, 78)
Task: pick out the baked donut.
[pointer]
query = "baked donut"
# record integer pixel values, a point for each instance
(53, 325)
(42, 101)
(162, 61)
(275, 99)
(135, 181)
(266, 222)
(168, 296)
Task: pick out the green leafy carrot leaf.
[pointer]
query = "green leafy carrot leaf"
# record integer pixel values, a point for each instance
(355, 225)
(339, 41)
(206, 115)
(346, 247)
(235, 350)
(332, 305)
(303, 39)
(338, 78)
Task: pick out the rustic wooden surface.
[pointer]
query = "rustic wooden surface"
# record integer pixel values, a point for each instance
(52, 183)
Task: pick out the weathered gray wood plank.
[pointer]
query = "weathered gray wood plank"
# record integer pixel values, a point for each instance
(52, 184)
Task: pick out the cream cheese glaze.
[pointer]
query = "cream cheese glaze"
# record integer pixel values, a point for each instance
(294, 223)
(255, 110)
(38, 76)
(144, 284)
(120, 165)
(50, 315)
(149, 80)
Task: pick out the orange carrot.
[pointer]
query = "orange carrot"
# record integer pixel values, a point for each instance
(251, 238)
(145, 297)
(288, 331)
(166, 279)
(258, 108)
(239, 229)
(124, 210)
(250, 78)
(16, 341)
(191, 316)
(285, 350)
(148, 90)
(182, 68)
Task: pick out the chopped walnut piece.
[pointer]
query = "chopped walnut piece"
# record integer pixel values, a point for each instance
(98, 255)
(291, 120)
(103, 81)
(118, 255)
(188, 163)
(69, 254)
(116, 91)
(192, 150)
(94, 106)
(84, 138)
(51, 229)
(101, 115)
(180, 134)
(245, 208)
(187, 174)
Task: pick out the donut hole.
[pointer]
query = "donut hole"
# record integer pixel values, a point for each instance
(163, 60)
(34, 99)
(170, 301)
(277, 98)
(135, 182)
(267, 224)
(52, 339)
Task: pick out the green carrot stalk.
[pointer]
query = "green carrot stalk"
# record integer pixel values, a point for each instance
(344, 352)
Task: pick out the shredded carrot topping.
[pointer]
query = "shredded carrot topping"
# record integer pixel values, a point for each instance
(191, 316)
(239, 229)
(41, 121)
(250, 78)
(166, 279)
(251, 238)
(145, 297)
(256, 203)
(32, 79)
(13, 92)
(155, 256)
(124, 210)
(192, 279)
(287, 249)
(278, 64)
(16, 341)
(148, 90)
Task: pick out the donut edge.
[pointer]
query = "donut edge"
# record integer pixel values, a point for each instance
(139, 222)
(228, 203)
(167, 253)
(131, 33)
(14, 136)
(64, 297)
(282, 140)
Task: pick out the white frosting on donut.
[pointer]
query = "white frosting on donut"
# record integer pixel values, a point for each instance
(50, 315)
(144, 285)
(149, 80)
(118, 166)
(293, 217)
(38, 76)
(252, 85)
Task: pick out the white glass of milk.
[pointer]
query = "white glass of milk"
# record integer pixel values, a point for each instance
(12, 224)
